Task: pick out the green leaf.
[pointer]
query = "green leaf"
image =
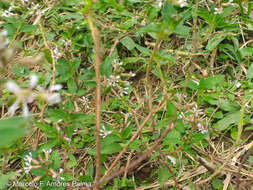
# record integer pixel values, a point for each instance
(168, 13)
(128, 43)
(106, 66)
(210, 82)
(56, 158)
(229, 106)
(72, 161)
(163, 175)
(27, 28)
(250, 72)
(182, 30)
(232, 118)
(248, 128)
(49, 130)
(246, 52)
(172, 138)
(215, 40)
(57, 114)
(110, 149)
(11, 129)
(72, 88)
(4, 178)
(171, 109)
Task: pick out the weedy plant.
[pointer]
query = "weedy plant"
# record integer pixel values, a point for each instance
(128, 94)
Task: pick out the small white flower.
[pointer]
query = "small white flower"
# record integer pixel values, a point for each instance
(33, 81)
(28, 158)
(201, 128)
(182, 3)
(104, 132)
(23, 96)
(54, 98)
(48, 95)
(13, 87)
(160, 3)
(27, 169)
(55, 87)
(4, 33)
(28, 162)
(238, 84)
(196, 82)
(218, 10)
(57, 54)
(47, 151)
(113, 80)
(181, 115)
(85, 101)
(172, 159)
(132, 74)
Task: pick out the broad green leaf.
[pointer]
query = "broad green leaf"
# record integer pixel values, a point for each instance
(27, 28)
(11, 129)
(215, 40)
(72, 161)
(171, 109)
(172, 138)
(210, 82)
(229, 106)
(246, 52)
(110, 149)
(250, 72)
(128, 43)
(4, 178)
(168, 14)
(182, 30)
(106, 67)
(72, 88)
(55, 157)
(49, 130)
(228, 120)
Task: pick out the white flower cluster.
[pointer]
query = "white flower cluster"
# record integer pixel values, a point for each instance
(113, 80)
(3, 41)
(182, 3)
(28, 163)
(56, 53)
(104, 132)
(57, 175)
(24, 1)
(27, 95)
(218, 10)
(116, 63)
(8, 13)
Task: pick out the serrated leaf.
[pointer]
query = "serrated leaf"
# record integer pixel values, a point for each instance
(128, 43)
(232, 118)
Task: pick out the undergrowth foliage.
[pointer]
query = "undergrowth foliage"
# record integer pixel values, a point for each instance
(126, 94)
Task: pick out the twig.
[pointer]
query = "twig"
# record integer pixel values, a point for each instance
(96, 39)
(143, 157)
